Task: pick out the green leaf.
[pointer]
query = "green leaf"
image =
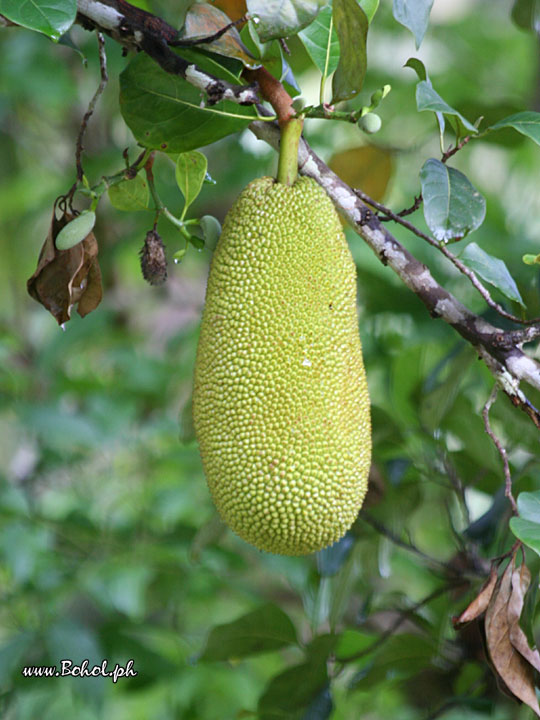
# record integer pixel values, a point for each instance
(76, 230)
(428, 99)
(418, 66)
(266, 629)
(526, 531)
(165, 112)
(370, 8)
(130, 195)
(528, 504)
(321, 41)
(414, 15)
(526, 527)
(526, 14)
(292, 692)
(12, 652)
(50, 17)
(452, 205)
(351, 27)
(492, 270)
(530, 259)
(280, 18)
(527, 123)
(190, 173)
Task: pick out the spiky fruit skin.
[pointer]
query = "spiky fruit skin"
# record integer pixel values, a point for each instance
(280, 402)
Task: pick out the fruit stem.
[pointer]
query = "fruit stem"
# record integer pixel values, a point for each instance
(288, 150)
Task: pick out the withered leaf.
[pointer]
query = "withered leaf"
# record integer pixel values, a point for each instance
(512, 668)
(521, 579)
(203, 20)
(480, 603)
(64, 278)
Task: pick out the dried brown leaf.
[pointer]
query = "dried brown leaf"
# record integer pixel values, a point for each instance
(512, 668)
(521, 579)
(203, 20)
(480, 603)
(64, 278)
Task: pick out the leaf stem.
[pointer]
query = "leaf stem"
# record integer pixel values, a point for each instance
(288, 150)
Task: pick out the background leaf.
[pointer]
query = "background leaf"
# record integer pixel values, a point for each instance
(527, 123)
(130, 195)
(190, 173)
(279, 18)
(414, 15)
(492, 270)
(203, 19)
(452, 206)
(50, 17)
(263, 630)
(351, 27)
(147, 92)
(368, 167)
(321, 41)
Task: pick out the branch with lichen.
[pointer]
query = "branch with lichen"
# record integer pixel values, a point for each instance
(139, 30)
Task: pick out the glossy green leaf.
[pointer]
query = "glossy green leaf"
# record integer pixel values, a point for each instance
(130, 195)
(351, 26)
(526, 531)
(492, 270)
(321, 41)
(266, 629)
(149, 94)
(528, 504)
(526, 527)
(527, 123)
(76, 230)
(526, 14)
(280, 18)
(50, 17)
(190, 173)
(428, 99)
(414, 15)
(452, 205)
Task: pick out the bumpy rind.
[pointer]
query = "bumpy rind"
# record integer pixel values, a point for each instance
(280, 403)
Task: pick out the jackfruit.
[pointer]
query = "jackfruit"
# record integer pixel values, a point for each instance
(280, 401)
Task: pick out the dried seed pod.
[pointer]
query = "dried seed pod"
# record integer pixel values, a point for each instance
(153, 260)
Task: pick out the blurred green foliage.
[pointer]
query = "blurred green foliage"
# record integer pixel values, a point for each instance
(110, 547)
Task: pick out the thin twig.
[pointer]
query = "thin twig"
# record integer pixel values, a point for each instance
(500, 448)
(404, 614)
(484, 292)
(89, 112)
(411, 547)
(452, 151)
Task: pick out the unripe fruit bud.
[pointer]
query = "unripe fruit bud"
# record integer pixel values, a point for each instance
(370, 123)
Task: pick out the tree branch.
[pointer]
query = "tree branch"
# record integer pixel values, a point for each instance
(508, 363)
(137, 29)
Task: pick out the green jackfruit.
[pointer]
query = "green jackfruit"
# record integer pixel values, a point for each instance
(280, 402)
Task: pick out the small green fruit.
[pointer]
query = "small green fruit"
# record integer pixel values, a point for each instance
(370, 123)
(76, 230)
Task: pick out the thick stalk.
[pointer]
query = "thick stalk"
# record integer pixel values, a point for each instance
(288, 151)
